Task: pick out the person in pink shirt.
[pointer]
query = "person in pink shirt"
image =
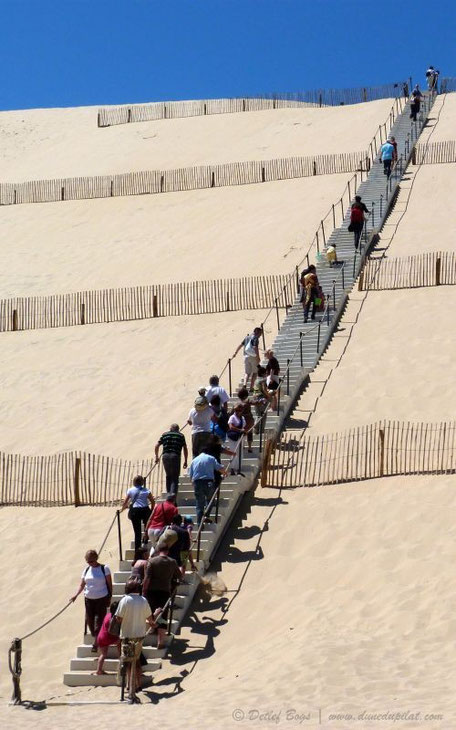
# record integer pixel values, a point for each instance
(161, 517)
(105, 639)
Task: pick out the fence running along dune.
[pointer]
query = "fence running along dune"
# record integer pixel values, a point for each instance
(109, 116)
(71, 478)
(434, 153)
(426, 269)
(186, 178)
(143, 302)
(387, 448)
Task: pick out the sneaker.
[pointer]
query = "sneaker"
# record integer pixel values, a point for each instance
(94, 649)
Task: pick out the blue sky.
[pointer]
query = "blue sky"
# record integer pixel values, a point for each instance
(81, 52)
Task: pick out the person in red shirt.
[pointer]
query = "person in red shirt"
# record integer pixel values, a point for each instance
(161, 517)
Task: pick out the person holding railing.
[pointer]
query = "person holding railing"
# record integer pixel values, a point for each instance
(173, 443)
(162, 576)
(96, 582)
(251, 345)
(386, 156)
(415, 102)
(201, 472)
(139, 498)
(133, 613)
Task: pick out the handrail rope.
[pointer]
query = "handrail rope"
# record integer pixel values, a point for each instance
(46, 622)
(423, 121)
(304, 430)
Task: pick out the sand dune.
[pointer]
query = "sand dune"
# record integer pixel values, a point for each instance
(48, 143)
(338, 599)
(112, 388)
(151, 239)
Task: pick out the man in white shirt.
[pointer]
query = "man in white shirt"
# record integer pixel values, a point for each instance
(251, 345)
(133, 613)
(215, 389)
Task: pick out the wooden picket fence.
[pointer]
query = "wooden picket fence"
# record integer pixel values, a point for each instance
(426, 269)
(434, 153)
(109, 116)
(387, 448)
(71, 478)
(145, 302)
(186, 178)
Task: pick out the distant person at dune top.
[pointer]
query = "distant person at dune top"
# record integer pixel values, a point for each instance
(415, 102)
(200, 419)
(214, 388)
(173, 442)
(387, 156)
(251, 345)
(432, 76)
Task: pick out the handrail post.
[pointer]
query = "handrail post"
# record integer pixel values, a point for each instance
(277, 313)
(373, 214)
(16, 670)
(261, 434)
(170, 612)
(217, 503)
(297, 280)
(119, 534)
(334, 294)
(300, 347)
(318, 337)
(381, 206)
(327, 313)
(288, 376)
(229, 377)
(278, 397)
(343, 276)
(323, 232)
(198, 543)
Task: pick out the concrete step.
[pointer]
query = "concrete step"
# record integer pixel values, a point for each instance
(151, 652)
(89, 664)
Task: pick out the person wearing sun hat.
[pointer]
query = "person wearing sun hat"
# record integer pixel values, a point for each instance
(200, 419)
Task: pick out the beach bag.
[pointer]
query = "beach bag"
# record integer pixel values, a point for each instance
(114, 626)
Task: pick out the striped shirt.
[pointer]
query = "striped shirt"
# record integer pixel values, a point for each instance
(172, 442)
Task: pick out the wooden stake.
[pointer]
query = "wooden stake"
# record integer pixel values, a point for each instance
(381, 434)
(77, 472)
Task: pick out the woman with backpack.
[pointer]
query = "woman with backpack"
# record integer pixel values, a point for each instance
(96, 582)
(357, 220)
(139, 498)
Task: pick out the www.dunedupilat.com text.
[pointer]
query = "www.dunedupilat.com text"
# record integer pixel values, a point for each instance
(300, 717)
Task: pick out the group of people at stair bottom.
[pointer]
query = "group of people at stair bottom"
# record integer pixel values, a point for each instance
(155, 574)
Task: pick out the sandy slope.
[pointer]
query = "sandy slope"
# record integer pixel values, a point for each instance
(112, 388)
(445, 128)
(47, 143)
(331, 605)
(226, 232)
